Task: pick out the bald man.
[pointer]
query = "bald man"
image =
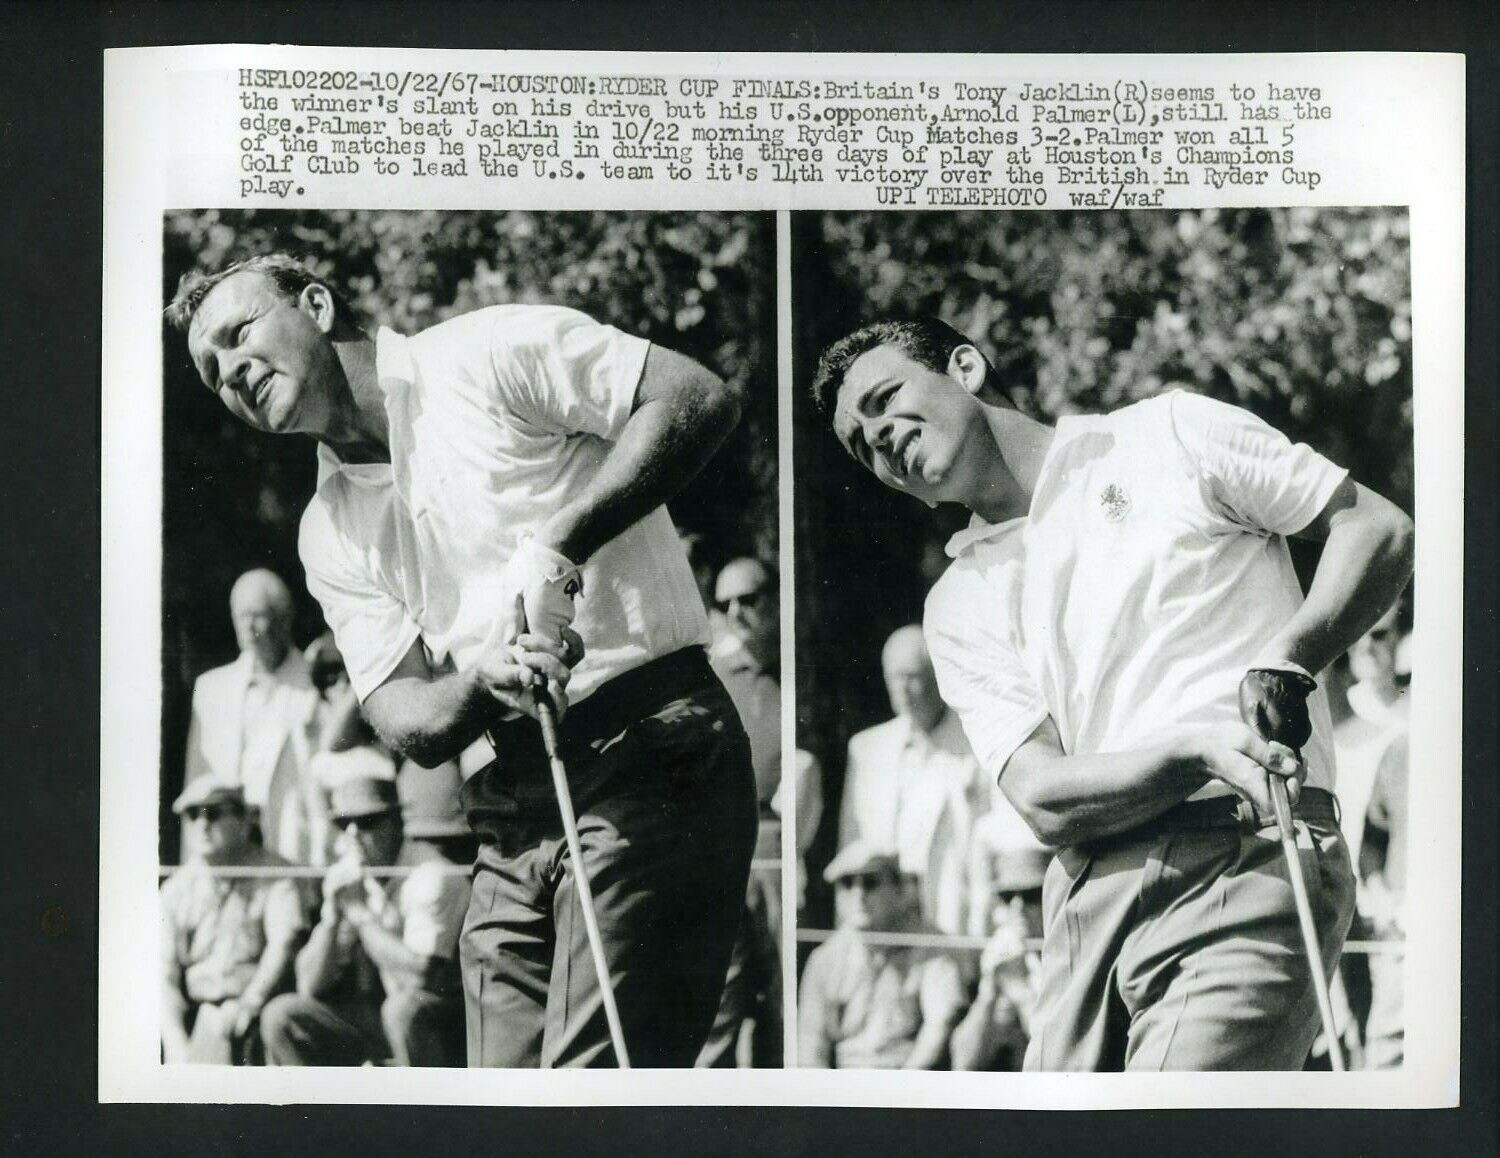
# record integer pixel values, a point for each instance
(913, 785)
(250, 716)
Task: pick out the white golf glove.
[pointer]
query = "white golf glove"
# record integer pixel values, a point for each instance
(547, 582)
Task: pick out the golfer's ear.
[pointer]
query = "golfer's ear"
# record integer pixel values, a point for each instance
(317, 303)
(968, 368)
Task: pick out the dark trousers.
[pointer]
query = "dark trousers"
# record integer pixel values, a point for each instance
(414, 1028)
(659, 770)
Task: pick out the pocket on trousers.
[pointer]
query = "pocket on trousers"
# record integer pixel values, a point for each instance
(679, 749)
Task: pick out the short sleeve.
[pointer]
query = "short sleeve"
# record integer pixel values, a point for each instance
(940, 995)
(565, 371)
(979, 674)
(1258, 478)
(285, 915)
(433, 903)
(373, 629)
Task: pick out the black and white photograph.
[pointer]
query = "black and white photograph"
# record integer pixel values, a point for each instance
(1104, 544)
(470, 724)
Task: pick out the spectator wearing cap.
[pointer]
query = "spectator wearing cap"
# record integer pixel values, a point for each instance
(379, 976)
(913, 785)
(875, 1006)
(251, 717)
(227, 941)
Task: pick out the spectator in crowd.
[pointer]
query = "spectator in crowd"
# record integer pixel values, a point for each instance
(251, 718)
(1007, 865)
(912, 784)
(431, 813)
(748, 661)
(379, 975)
(994, 1033)
(227, 941)
(807, 784)
(1374, 723)
(1383, 893)
(747, 658)
(874, 1006)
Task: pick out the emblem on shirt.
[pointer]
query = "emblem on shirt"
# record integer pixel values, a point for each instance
(1116, 503)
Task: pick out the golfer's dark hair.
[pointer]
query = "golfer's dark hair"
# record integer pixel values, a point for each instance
(287, 274)
(926, 340)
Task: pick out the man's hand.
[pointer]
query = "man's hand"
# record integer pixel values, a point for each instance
(545, 582)
(1273, 701)
(1003, 959)
(513, 673)
(343, 882)
(241, 1013)
(1234, 754)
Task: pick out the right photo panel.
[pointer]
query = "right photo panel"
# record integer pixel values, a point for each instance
(1103, 623)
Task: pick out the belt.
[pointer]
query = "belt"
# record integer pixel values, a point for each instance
(629, 697)
(1234, 812)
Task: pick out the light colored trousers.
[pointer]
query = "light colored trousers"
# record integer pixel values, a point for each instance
(1180, 950)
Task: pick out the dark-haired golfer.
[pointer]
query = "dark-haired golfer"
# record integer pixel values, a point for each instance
(478, 484)
(1120, 575)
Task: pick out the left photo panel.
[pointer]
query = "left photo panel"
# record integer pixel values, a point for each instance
(470, 704)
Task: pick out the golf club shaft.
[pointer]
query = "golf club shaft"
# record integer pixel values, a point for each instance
(548, 719)
(1288, 831)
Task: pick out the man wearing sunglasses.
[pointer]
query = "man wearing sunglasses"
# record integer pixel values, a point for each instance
(379, 976)
(865, 1005)
(227, 941)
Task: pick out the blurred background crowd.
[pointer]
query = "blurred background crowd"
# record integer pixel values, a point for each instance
(315, 886)
(918, 934)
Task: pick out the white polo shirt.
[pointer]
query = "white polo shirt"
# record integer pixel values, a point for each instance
(1149, 573)
(497, 418)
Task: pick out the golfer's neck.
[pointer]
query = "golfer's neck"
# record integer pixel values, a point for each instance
(358, 428)
(1004, 491)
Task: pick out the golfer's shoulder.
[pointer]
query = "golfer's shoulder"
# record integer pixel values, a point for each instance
(960, 593)
(494, 331)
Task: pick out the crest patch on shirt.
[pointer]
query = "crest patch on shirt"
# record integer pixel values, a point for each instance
(1116, 503)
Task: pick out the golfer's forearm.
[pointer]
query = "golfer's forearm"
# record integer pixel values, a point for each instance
(1366, 562)
(431, 720)
(682, 415)
(1074, 799)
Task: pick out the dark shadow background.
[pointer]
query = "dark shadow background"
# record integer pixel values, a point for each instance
(1302, 316)
(699, 283)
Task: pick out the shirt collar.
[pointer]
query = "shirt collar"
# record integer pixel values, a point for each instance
(394, 364)
(979, 531)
